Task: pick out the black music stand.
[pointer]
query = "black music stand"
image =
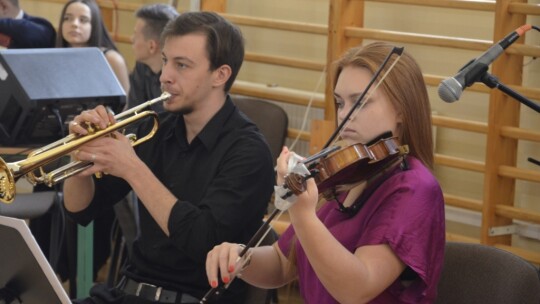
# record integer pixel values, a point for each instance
(25, 275)
(41, 90)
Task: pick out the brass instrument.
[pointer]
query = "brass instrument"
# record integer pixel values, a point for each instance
(11, 172)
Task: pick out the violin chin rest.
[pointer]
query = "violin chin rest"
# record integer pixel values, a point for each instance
(385, 135)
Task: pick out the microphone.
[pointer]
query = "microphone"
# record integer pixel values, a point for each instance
(451, 88)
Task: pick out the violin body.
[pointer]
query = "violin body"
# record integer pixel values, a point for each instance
(356, 163)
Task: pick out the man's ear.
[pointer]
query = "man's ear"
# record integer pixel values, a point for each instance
(153, 45)
(221, 75)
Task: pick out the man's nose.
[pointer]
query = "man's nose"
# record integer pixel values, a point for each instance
(165, 74)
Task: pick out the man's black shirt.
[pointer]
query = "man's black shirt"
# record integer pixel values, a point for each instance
(223, 181)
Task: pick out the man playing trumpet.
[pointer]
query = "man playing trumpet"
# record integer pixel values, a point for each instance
(205, 177)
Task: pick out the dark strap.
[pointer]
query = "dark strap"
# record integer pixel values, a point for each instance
(155, 293)
(372, 186)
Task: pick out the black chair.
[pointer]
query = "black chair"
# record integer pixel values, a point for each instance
(273, 122)
(271, 119)
(475, 273)
(258, 295)
(29, 205)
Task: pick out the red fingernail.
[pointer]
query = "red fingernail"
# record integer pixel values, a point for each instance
(213, 284)
(231, 268)
(226, 280)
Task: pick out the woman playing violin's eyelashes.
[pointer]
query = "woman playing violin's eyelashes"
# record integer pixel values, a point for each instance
(390, 248)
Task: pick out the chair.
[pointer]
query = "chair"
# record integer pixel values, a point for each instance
(271, 119)
(256, 295)
(475, 273)
(273, 122)
(30, 205)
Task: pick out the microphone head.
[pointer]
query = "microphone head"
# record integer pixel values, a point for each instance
(450, 90)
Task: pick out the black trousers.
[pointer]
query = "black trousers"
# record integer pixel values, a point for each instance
(102, 294)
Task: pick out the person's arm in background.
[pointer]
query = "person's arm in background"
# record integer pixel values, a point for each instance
(119, 67)
(26, 33)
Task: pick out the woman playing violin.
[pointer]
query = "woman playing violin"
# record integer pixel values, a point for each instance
(380, 240)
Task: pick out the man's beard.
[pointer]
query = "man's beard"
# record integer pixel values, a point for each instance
(183, 111)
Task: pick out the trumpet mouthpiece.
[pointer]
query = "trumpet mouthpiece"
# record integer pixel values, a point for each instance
(165, 95)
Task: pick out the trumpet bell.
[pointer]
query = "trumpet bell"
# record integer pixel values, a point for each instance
(7, 183)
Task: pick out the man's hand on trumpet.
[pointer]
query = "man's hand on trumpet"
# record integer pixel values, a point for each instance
(99, 117)
(110, 154)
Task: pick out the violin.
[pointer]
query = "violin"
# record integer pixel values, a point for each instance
(356, 163)
(349, 165)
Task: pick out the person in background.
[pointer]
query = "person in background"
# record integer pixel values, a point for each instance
(19, 30)
(144, 79)
(377, 241)
(205, 177)
(81, 25)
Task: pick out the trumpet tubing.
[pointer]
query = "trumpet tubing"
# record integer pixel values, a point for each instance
(11, 172)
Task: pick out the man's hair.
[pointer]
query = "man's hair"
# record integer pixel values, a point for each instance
(224, 41)
(156, 16)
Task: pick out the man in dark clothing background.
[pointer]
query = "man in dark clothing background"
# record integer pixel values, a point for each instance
(19, 30)
(144, 79)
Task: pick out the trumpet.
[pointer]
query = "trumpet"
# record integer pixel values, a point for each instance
(11, 172)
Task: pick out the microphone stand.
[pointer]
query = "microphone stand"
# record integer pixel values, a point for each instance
(534, 161)
(493, 82)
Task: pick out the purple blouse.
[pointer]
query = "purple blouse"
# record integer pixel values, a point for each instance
(406, 212)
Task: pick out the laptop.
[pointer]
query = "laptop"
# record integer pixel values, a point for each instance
(24, 270)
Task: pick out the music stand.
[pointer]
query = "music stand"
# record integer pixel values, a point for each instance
(41, 90)
(25, 273)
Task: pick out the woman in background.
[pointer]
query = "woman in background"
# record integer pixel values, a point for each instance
(81, 25)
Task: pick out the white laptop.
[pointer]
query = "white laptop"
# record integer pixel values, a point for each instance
(24, 270)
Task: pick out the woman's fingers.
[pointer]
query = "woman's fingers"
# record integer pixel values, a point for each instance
(282, 164)
(211, 267)
(221, 261)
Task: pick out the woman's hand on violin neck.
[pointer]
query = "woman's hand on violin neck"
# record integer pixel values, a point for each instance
(282, 165)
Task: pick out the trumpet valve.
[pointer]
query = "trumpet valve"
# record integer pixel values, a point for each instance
(90, 127)
(131, 137)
